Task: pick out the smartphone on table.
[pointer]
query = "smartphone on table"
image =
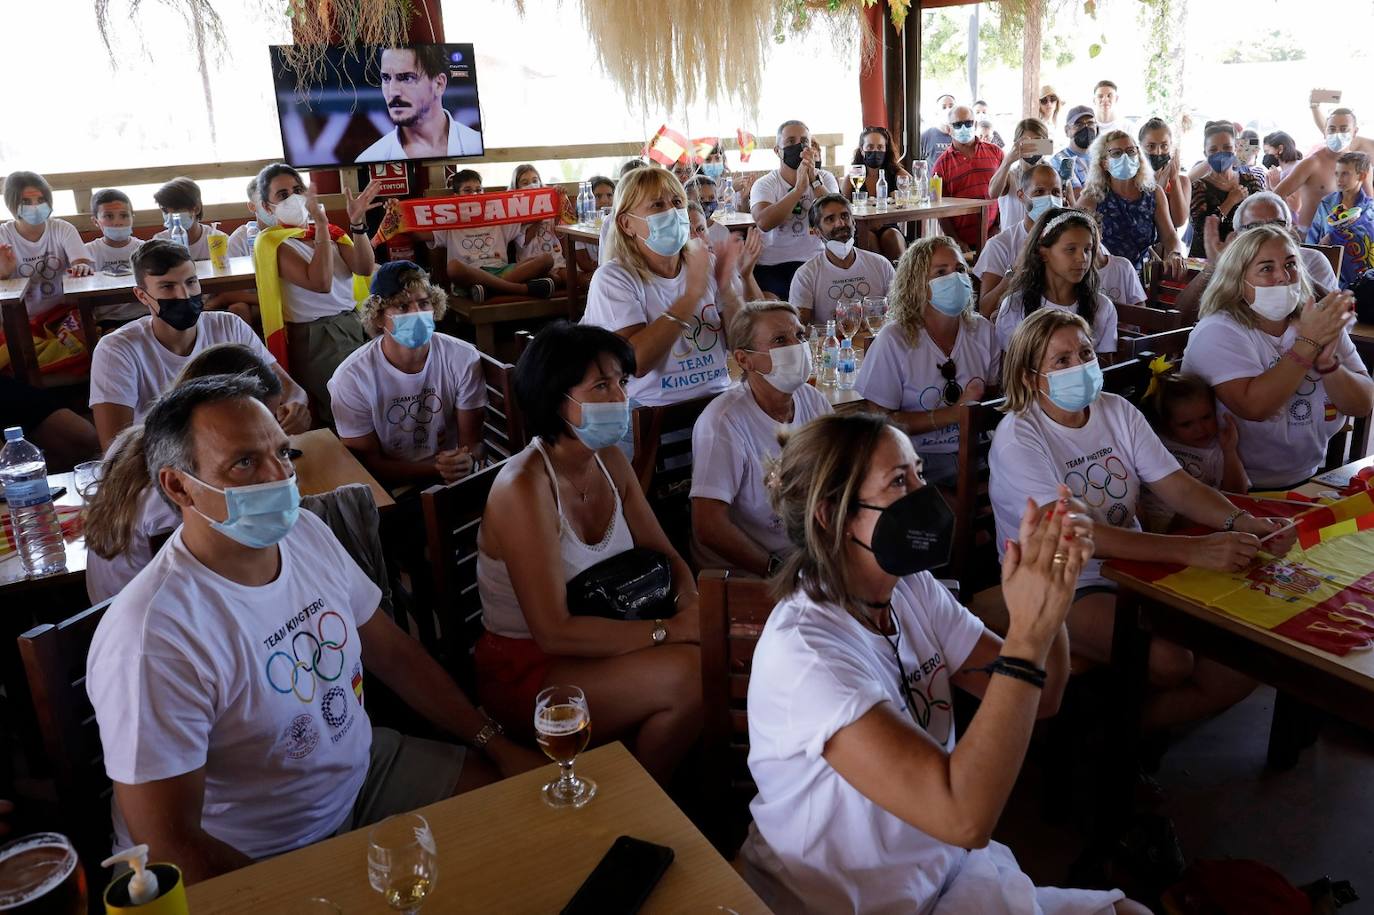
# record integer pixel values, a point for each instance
(622, 880)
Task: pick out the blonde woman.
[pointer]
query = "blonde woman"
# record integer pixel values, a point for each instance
(1281, 363)
(1020, 156)
(865, 801)
(1132, 210)
(935, 353)
(664, 292)
(1062, 430)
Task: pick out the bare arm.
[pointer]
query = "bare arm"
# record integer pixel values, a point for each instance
(653, 341)
(110, 420)
(393, 471)
(1168, 237)
(317, 274)
(994, 287)
(1350, 390)
(1260, 397)
(771, 215)
(165, 814)
(1000, 182)
(714, 530)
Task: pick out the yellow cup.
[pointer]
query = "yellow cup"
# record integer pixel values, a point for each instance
(170, 901)
(937, 186)
(219, 251)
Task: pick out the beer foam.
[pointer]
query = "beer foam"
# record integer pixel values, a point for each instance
(17, 882)
(551, 723)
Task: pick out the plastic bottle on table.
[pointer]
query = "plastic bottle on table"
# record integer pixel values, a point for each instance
(251, 233)
(33, 519)
(830, 357)
(881, 192)
(727, 195)
(177, 234)
(846, 368)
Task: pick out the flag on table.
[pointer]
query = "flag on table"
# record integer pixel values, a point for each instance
(666, 147)
(746, 143)
(701, 148)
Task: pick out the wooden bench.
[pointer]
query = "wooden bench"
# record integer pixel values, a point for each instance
(485, 317)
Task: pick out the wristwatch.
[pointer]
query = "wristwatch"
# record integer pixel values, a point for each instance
(660, 635)
(489, 730)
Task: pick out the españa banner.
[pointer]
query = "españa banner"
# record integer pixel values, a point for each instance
(1320, 594)
(431, 214)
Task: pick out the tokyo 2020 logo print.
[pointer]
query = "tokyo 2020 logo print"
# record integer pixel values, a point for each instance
(314, 656)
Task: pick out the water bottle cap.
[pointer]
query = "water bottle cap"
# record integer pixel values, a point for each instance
(13, 434)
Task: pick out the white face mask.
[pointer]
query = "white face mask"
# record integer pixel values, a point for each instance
(840, 249)
(292, 211)
(791, 367)
(1275, 303)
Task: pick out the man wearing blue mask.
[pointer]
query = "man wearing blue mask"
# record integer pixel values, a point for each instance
(410, 403)
(840, 271)
(779, 202)
(966, 169)
(1315, 176)
(227, 677)
(1040, 189)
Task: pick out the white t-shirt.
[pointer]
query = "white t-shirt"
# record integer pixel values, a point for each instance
(898, 376)
(104, 255)
(200, 248)
(131, 368)
(791, 240)
(261, 686)
(1289, 446)
(238, 242)
(1009, 317)
(1103, 464)
(300, 305)
(818, 284)
(483, 246)
(1318, 268)
(545, 241)
(1118, 281)
(1010, 209)
(107, 577)
(1206, 465)
(731, 440)
(601, 247)
(999, 255)
(44, 261)
(411, 415)
(816, 670)
(462, 141)
(695, 366)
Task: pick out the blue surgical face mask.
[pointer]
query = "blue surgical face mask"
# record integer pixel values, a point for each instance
(1075, 387)
(1123, 168)
(412, 329)
(962, 134)
(668, 231)
(1337, 141)
(35, 214)
(950, 293)
(603, 424)
(1037, 205)
(1221, 162)
(117, 233)
(265, 219)
(713, 169)
(260, 514)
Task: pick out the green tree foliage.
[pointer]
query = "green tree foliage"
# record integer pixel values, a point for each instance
(944, 39)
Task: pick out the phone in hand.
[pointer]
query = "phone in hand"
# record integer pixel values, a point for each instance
(1320, 96)
(1042, 147)
(623, 879)
(1065, 169)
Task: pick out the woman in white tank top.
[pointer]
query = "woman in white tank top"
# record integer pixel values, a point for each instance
(560, 506)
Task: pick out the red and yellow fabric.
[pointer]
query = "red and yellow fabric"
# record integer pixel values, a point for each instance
(667, 146)
(59, 344)
(68, 517)
(701, 148)
(1320, 594)
(746, 143)
(269, 283)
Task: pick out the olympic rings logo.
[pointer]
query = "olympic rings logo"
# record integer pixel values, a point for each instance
(1300, 411)
(704, 336)
(1099, 482)
(291, 673)
(1308, 387)
(478, 243)
(48, 266)
(411, 415)
(849, 289)
(932, 398)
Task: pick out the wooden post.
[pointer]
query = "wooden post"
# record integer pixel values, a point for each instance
(911, 40)
(893, 84)
(1030, 57)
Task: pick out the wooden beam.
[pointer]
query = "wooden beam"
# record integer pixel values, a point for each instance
(911, 41)
(1030, 58)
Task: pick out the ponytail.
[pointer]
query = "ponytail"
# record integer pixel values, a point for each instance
(118, 499)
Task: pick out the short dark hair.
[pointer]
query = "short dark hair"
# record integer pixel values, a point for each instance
(231, 359)
(431, 59)
(699, 180)
(598, 180)
(180, 194)
(554, 363)
(17, 182)
(631, 166)
(1337, 112)
(270, 173)
(167, 427)
(109, 195)
(1153, 124)
(463, 174)
(979, 102)
(1105, 82)
(1288, 150)
(813, 216)
(1356, 160)
(157, 257)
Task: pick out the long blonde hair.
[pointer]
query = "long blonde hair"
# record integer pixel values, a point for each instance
(1099, 182)
(910, 293)
(1225, 294)
(1027, 348)
(638, 186)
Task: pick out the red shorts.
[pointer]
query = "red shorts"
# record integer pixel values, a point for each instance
(510, 674)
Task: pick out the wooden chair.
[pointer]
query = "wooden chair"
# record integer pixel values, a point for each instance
(734, 609)
(663, 464)
(503, 429)
(1333, 253)
(1163, 343)
(1128, 378)
(54, 657)
(1149, 320)
(453, 516)
(974, 554)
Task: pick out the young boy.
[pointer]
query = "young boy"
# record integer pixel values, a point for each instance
(1346, 218)
(181, 196)
(238, 239)
(113, 214)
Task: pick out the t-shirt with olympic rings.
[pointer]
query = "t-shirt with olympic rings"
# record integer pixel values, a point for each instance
(260, 686)
(44, 262)
(790, 241)
(898, 376)
(1010, 315)
(413, 416)
(818, 284)
(482, 246)
(1103, 463)
(545, 241)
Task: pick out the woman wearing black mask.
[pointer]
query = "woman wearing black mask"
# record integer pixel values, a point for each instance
(1157, 142)
(1281, 156)
(1221, 187)
(878, 155)
(1020, 155)
(865, 803)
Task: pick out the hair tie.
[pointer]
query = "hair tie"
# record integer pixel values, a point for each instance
(1159, 367)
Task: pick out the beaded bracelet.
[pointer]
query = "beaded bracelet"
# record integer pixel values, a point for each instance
(1292, 354)
(1310, 342)
(1016, 668)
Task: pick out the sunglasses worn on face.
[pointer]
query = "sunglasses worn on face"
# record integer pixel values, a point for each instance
(961, 123)
(1048, 99)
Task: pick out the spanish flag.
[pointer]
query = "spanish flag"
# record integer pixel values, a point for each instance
(269, 284)
(746, 143)
(701, 148)
(667, 146)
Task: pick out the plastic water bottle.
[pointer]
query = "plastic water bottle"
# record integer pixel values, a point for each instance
(250, 231)
(588, 203)
(32, 515)
(177, 235)
(727, 195)
(846, 368)
(881, 192)
(830, 357)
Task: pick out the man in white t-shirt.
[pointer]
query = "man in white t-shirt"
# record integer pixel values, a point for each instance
(780, 201)
(411, 403)
(227, 677)
(1105, 96)
(733, 523)
(135, 364)
(36, 246)
(840, 270)
(413, 84)
(1039, 187)
(113, 214)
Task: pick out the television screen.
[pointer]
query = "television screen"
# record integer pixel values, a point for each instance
(381, 105)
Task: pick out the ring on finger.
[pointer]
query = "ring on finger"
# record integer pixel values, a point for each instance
(1060, 558)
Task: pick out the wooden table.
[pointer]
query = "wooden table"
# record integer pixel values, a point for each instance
(18, 337)
(869, 218)
(326, 464)
(502, 850)
(568, 236)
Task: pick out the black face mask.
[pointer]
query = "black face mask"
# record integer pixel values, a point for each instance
(913, 534)
(874, 159)
(1083, 137)
(1031, 160)
(1270, 160)
(181, 314)
(1158, 160)
(791, 155)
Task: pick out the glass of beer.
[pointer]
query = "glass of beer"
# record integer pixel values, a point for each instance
(402, 861)
(563, 726)
(875, 312)
(41, 874)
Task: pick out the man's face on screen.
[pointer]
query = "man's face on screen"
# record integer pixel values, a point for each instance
(411, 95)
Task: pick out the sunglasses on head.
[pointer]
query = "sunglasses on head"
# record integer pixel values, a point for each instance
(952, 390)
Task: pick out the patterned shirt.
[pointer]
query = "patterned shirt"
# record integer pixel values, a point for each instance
(967, 175)
(1207, 201)
(1128, 226)
(1350, 227)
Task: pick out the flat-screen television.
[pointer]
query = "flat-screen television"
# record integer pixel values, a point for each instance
(380, 105)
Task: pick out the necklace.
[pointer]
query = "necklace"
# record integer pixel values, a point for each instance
(582, 491)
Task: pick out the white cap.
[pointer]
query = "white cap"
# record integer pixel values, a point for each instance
(143, 884)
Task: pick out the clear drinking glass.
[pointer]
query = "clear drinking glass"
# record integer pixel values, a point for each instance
(402, 862)
(41, 873)
(904, 190)
(563, 725)
(875, 312)
(849, 314)
(855, 173)
(86, 479)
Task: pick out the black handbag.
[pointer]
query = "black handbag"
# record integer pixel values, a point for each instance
(634, 585)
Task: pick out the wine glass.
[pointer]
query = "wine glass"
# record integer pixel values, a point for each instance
(86, 479)
(849, 314)
(904, 189)
(875, 312)
(855, 174)
(402, 862)
(563, 725)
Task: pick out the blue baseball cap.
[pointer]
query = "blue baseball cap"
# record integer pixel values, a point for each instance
(386, 282)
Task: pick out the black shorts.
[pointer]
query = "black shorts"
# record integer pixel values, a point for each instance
(24, 406)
